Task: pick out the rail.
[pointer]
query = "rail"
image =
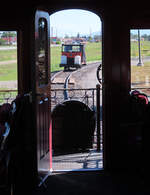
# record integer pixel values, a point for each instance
(87, 96)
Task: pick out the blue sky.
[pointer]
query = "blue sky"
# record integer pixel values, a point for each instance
(74, 21)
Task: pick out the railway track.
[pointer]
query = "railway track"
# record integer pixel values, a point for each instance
(58, 79)
(62, 80)
(75, 84)
(72, 86)
(75, 79)
(60, 83)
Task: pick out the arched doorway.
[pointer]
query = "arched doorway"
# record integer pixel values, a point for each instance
(62, 32)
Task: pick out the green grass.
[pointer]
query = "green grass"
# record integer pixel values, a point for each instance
(8, 72)
(55, 58)
(140, 77)
(93, 52)
(140, 72)
(145, 48)
(6, 55)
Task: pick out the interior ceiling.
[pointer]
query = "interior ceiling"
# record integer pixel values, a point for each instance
(55, 5)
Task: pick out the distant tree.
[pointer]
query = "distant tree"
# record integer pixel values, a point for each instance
(146, 37)
(2, 42)
(84, 36)
(66, 36)
(8, 34)
(149, 38)
(89, 38)
(73, 37)
(58, 42)
(133, 36)
(97, 37)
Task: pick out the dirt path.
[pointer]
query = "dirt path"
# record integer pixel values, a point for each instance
(134, 61)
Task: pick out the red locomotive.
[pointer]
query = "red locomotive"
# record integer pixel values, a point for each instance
(73, 55)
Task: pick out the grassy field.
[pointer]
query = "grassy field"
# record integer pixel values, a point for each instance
(140, 77)
(6, 55)
(145, 48)
(9, 71)
(140, 74)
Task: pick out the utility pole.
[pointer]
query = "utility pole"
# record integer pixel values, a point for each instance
(140, 63)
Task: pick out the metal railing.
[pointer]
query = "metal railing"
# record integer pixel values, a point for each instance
(89, 96)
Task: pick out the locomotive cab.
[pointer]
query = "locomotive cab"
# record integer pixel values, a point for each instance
(73, 55)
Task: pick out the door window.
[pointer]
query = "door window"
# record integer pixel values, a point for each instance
(42, 57)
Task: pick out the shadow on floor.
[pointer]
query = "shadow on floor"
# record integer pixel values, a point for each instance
(93, 183)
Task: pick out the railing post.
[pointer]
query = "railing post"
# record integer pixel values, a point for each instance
(93, 97)
(98, 115)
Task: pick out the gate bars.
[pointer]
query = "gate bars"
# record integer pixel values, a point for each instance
(91, 97)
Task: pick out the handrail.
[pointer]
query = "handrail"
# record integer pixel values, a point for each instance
(74, 89)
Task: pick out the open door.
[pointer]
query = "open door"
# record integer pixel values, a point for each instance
(41, 89)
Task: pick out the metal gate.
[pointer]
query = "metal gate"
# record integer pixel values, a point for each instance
(91, 158)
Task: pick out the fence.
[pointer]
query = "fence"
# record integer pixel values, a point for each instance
(87, 96)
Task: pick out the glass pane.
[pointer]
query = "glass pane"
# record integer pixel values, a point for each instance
(140, 60)
(76, 48)
(67, 48)
(42, 54)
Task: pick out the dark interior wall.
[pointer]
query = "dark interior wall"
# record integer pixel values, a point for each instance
(19, 18)
(116, 68)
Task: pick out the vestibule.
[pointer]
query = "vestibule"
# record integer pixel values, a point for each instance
(117, 20)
